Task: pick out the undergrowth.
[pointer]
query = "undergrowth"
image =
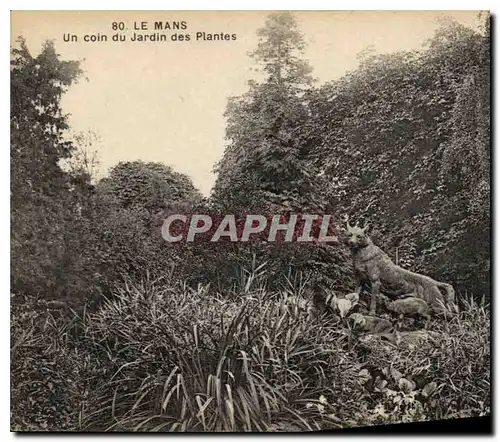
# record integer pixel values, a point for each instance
(160, 356)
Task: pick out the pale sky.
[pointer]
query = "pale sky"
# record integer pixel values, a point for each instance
(164, 101)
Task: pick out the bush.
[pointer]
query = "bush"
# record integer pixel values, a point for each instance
(161, 356)
(446, 375)
(211, 364)
(46, 373)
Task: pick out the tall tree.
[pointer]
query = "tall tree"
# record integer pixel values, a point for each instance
(267, 164)
(267, 131)
(41, 206)
(38, 123)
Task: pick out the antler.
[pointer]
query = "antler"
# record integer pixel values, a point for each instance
(345, 218)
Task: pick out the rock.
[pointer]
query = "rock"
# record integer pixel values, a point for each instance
(370, 324)
(415, 337)
(353, 297)
(410, 306)
(57, 304)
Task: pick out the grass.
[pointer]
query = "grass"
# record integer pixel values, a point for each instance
(160, 356)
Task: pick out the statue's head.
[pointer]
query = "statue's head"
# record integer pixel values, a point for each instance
(357, 237)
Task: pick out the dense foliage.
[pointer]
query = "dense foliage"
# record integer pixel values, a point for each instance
(160, 356)
(113, 328)
(405, 144)
(402, 141)
(73, 239)
(41, 201)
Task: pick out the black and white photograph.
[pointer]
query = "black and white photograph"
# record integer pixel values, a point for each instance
(250, 221)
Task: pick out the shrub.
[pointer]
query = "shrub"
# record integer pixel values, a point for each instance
(161, 356)
(444, 376)
(46, 373)
(211, 364)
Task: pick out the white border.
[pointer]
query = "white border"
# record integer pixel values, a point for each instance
(175, 5)
(250, 5)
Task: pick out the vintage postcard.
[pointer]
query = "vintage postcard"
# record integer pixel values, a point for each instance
(250, 221)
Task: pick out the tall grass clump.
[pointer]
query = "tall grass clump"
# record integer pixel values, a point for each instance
(187, 360)
(162, 356)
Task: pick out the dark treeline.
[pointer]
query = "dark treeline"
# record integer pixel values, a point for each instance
(401, 142)
(73, 238)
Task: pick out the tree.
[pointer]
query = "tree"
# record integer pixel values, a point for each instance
(37, 121)
(269, 139)
(149, 186)
(42, 209)
(278, 52)
(267, 165)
